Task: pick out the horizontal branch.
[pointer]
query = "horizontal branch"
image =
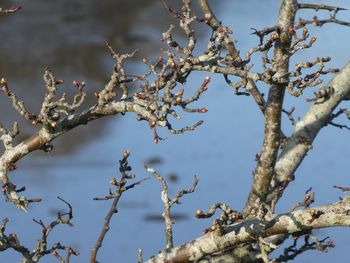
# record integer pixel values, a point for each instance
(336, 214)
(44, 137)
(320, 7)
(229, 71)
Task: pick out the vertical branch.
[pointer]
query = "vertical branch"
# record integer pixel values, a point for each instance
(120, 187)
(168, 203)
(264, 170)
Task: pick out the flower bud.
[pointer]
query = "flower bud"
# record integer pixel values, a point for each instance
(75, 84)
(126, 154)
(113, 181)
(207, 80)
(198, 213)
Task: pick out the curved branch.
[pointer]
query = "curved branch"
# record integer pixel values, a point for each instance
(336, 214)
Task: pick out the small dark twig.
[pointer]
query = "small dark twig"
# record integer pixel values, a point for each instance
(290, 115)
(263, 32)
(41, 249)
(308, 200)
(120, 188)
(227, 217)
(344, 189)
(293, 251)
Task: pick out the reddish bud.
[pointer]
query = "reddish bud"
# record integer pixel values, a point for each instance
(82, 84)
(308, 64)
(145, 60)
(60, 81)
(97, 94)
(3, 81)
(313, 39)
(126, 154)
(292, 30)
(75, 84)
(207, 80)
(305, 31)
(204, 110)
(161, 58)
(155, 140)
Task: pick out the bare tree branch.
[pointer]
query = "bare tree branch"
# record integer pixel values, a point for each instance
(120, 187)
(306, 130)
(168, 203)
(264, 170)
(249, 230)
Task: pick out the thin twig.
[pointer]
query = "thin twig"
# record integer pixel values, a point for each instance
(168, 203)
(120, 188)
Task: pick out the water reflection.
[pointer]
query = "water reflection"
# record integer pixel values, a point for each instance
(68, 36)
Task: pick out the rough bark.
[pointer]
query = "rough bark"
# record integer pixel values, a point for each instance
(306, 130)
(337, 214)
(264, 170)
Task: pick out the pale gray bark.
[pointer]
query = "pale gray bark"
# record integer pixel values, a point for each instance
(336, 214)
(306, 130)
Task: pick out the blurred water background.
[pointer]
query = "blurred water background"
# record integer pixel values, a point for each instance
(68, 36)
